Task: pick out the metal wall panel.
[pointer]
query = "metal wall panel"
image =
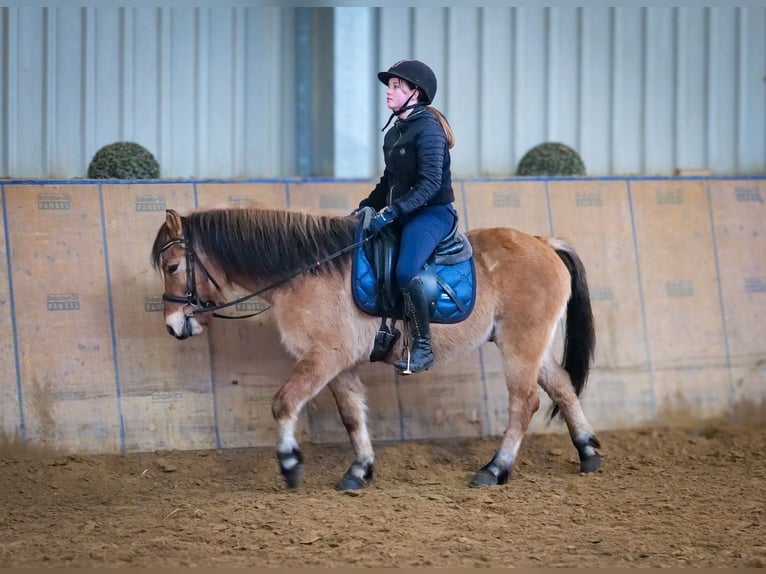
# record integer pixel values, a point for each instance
(237, 92)
(640, 91)
(207, 90)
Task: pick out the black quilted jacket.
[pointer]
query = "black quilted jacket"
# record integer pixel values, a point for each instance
(417, 169)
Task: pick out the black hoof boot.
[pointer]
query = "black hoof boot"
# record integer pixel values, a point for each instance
(490, 475)
(590, 460)
(356, 477)
(291, 467)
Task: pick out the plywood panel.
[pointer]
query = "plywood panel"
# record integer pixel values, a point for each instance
(63, 319)
(594, 216)
(619, 398)
(248, 361)
(518, 204)
(383, 416)
(165, 384)
(447, 401)
(678, 305)
(679, 283)
(249, 365)
(692, 393)
(10, 418)
(328, 198)
(608, 253)
(739, 218)
(271, 195)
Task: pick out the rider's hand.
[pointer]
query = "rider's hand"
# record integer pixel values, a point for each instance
(382, 219)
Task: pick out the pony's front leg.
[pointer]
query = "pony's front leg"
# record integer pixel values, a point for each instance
(349, 396)
(308, 376)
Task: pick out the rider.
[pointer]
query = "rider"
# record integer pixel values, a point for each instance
(414, 192)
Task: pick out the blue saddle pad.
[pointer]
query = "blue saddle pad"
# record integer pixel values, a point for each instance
(451, 288)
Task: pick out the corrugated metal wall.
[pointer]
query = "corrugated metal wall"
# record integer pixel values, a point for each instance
(634, 90)
(205, 89)
(248, 92)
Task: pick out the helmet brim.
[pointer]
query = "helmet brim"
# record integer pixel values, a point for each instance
(384, 78)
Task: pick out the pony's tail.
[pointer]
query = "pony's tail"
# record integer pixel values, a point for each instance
(580, 331)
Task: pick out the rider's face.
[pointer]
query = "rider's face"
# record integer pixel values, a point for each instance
(397, 94)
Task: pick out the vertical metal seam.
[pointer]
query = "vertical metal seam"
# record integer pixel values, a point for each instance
(88, 104)
(112, 323)
(482, 369)
(548, 81)
(580, 65)
(165, 89)
(647, 346)
(740, 86)
(719, 285)
(239, 105)
(14, 326)
(128, 74)
(203, 93)
(707, 83)
(481, 166)
(303, 90)
(518, 69)
(678, 93)
(644, 87)
(213, 394)
(49, 91)
(512, 97)
(11, 91)
(612, 73)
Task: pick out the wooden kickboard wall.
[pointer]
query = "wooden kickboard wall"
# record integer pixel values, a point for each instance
(676, 266)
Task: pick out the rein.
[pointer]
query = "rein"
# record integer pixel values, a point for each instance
(195, 306)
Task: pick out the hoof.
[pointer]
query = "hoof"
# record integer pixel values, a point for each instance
(356, 477)
(487, 477)
(590, 460)
(350, 482)
(293, 476)
(291, 467)
(590, 464)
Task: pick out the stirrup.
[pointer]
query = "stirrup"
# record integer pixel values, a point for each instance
(406, 370)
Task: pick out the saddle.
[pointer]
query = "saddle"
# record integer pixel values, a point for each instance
(448, 275)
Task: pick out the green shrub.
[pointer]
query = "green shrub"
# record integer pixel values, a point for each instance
(123, 160)
(551, 158)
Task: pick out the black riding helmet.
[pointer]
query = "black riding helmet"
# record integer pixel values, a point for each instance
(415, 72)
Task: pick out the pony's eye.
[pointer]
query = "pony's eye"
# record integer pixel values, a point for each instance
(173, 268)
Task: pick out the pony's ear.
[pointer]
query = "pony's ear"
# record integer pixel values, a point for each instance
(173, 223)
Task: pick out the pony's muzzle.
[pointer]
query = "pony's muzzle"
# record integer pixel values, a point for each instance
(182, 327)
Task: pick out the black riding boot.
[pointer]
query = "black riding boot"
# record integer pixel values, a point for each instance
(418, 317)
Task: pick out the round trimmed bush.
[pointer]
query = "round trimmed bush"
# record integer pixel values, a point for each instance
(551, 158)
(123, 160)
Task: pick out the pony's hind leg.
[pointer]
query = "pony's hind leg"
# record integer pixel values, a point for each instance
(523, 402)
(349, 396)
(556, 382)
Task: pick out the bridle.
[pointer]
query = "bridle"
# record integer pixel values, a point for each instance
(193, 305)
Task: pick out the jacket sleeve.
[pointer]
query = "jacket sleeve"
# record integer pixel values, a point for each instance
(377, 198)
(431, 145)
